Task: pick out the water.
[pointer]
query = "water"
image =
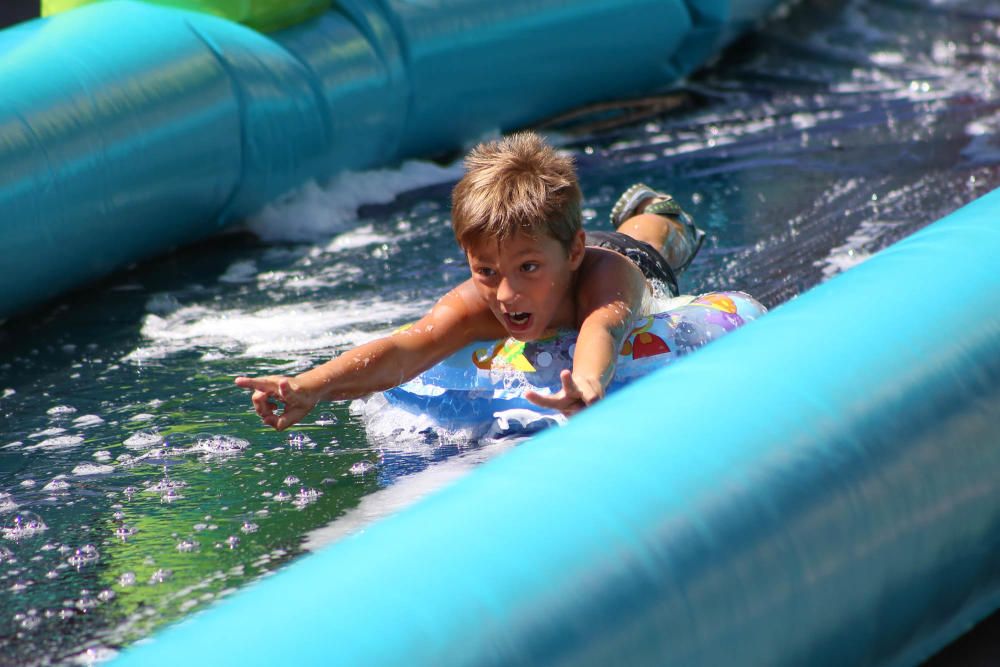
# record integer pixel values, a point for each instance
(840, 128)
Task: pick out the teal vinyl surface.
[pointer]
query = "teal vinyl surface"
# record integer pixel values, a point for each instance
(816, 488)
(127, 129)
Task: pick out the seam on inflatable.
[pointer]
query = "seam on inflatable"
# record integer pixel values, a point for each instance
(406, 65)
(241, 105)
(397, 68)
(312, 80)
(52, 180)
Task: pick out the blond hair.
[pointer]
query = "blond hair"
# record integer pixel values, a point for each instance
(516, 184)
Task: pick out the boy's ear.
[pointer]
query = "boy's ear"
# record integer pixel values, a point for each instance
(577, 248)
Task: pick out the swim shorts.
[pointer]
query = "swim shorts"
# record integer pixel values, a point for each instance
(646, 257)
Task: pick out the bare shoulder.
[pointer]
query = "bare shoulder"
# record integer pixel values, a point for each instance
(462, 313)
(606, 276)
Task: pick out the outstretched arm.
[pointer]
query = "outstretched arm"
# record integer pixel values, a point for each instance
(610, 296)
(456, 320)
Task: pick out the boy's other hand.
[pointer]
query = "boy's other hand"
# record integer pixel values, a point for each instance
(267, 390)
(575, 395)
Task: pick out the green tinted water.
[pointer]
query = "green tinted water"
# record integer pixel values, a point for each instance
(838, 129)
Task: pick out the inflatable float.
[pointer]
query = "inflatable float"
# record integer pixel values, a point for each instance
(483, 379)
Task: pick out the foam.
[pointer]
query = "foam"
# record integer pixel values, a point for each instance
(143, 440)
(57, 443)
(87, 469)
(314, 212)
(274, 332)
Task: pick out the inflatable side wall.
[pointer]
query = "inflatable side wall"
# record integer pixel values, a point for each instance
(816, 488)
(129, 128)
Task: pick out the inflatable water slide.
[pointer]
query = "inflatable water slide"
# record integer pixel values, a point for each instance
(833, 501)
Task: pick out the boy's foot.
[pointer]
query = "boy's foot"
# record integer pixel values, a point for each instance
(640, 198)
(680, 249)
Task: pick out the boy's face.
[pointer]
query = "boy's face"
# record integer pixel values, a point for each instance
(526, 281)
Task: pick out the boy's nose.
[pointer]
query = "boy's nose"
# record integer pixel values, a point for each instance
(505, 292)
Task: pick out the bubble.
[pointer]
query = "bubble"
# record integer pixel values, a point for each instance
(102, 455)
(89, 469)
(232, 541)
(24, 525)
(143, 440)
(142, 417)
(306, 496)
(326, 419)
(170, 496)
(60, 410)
(28, 483)
(56, 485)
(30, 621)
(291, 480)
(282, 496)
(85, 555)
(125, 531)
(219, 445)
(126, 579)
(188, 545)
(118, 515)
(362, 467)
(249, 527)
(84, 421)
(198, 527)
(57, 443)
(300, 440)
(52, 574)
(19, 586)
(85, 604)
(106, 595)
(167, 484)
(7, 503)
(160, 576)
(6, 556)
(129, 491)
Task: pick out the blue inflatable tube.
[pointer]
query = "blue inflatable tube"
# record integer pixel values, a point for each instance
(127, 128)
(468, 388)
(818, 487)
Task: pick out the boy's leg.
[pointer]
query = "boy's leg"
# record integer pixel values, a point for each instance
(665, 227)
(665, 233)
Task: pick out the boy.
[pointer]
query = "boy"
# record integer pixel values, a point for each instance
(517, 215)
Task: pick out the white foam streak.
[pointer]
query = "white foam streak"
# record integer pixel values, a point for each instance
(315, 211)
(856, 249)
(270, 332)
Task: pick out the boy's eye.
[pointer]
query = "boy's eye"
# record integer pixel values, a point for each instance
(528, 267)
(485, 272)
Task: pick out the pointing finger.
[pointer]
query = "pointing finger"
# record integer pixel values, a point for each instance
(261, 403)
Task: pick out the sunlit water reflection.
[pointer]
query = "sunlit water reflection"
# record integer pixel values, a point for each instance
(136, 485)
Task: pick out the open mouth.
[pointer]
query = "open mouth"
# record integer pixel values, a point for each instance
(518, 321)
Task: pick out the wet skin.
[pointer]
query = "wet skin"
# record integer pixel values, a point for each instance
(523, 287)
(527, 282)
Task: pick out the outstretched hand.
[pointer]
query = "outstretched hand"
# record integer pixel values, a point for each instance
(267, 390)
(574, 396)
